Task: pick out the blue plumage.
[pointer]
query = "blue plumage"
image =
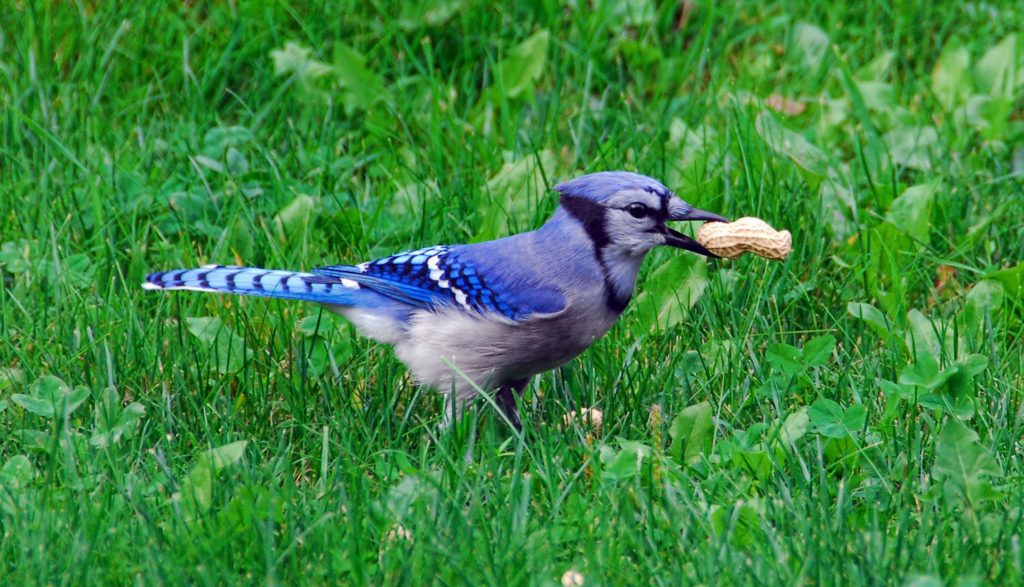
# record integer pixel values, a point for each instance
(434, 277)
(501, 311)
(255, 282)
(598, 187)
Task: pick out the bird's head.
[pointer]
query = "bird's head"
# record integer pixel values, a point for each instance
(626, 212)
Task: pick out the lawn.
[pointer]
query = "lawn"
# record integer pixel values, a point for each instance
(852, 414)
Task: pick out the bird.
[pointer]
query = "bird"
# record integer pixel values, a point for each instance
(490, 315)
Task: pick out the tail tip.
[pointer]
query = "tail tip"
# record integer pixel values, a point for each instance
(151, 282)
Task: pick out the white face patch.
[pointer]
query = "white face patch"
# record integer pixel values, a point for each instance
(624, 198)
(634, 220)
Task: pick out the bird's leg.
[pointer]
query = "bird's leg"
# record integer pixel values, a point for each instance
(506, 400)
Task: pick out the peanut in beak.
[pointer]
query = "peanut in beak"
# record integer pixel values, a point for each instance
(746, 235)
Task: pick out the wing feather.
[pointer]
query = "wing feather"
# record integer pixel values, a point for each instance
(444, 277)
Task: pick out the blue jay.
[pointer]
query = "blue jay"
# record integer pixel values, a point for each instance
(490, 315)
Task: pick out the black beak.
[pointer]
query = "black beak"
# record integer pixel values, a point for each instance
(674, 238)
(696, 214)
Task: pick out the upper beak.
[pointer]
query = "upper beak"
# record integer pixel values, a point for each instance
(674, 238)
(697, 214)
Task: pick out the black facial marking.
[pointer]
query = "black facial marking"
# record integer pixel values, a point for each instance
(592, 216)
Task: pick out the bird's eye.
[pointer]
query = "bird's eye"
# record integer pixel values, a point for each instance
(637, 210)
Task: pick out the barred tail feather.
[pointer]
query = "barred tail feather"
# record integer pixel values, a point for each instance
(251, 281)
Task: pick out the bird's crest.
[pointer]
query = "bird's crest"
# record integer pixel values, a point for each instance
(599, 186)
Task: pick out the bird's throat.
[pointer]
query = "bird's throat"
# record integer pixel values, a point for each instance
(619, 268)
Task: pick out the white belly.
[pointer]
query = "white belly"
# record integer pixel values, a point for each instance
(457, 352)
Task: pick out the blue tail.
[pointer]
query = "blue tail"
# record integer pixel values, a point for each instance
(251, 281)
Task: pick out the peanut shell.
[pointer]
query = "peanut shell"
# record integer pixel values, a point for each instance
(746, 235)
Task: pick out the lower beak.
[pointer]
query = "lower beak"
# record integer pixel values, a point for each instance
(674, 238)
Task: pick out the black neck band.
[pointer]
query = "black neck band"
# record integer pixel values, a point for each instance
(592, 217)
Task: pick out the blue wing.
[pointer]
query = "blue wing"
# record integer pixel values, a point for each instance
(445, 276)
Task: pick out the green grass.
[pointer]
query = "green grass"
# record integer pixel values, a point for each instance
(137, 138)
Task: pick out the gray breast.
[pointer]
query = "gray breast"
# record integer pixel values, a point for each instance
(549, 343)
(491, 350)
